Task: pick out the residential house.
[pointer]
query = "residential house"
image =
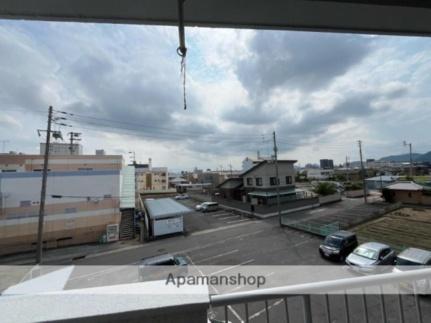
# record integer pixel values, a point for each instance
(407, 192)
(258, 184)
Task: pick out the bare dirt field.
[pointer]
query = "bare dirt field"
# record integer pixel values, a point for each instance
(402, 228)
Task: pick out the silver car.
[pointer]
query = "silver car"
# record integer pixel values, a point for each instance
(366, 257)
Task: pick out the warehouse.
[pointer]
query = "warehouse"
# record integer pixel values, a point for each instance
(164, 216)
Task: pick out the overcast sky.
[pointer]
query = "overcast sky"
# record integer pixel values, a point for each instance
(320, 92)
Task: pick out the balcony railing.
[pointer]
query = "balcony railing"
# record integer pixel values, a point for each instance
(343, 288)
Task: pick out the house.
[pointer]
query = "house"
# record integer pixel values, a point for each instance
(231, 188)
(378, 182)
(258, 184)
(407, 192)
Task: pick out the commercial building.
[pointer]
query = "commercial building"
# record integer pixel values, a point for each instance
(319, 174)
(34, 163)
(326, 164)
(82, 200)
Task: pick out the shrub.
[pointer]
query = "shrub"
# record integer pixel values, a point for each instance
(325, 188)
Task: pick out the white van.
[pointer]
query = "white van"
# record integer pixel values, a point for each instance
(209, 206)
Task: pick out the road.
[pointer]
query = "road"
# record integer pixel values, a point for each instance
(223, 238)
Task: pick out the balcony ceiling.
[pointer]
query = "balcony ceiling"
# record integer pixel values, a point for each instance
(402, 17)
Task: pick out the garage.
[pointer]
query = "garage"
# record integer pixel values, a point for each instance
(164, 216)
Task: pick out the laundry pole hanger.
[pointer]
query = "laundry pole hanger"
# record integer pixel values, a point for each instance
(182, 49)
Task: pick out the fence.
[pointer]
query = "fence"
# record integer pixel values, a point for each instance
(315, 228)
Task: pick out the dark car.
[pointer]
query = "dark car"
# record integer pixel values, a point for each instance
(169, 264)
(338, 245)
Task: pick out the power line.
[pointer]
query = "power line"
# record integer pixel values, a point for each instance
(166, 136)
(84, 118)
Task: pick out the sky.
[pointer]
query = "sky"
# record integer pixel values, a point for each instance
(122, 89)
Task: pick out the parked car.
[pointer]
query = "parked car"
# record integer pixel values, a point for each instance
(182, 197)
(414, 258)
(368, 256)
(338, 245)
(210, 206)
(147, 273)
(207, 207)
(165, 260)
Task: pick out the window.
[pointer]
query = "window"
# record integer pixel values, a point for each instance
(288, 179)
(70, 210)
(8, 170)
(384, 253)
(259, 181)
(107, 196)
(273, 181)
(410, 194)
(249, 181)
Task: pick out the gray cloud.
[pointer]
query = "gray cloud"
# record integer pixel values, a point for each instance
(250, 115)
(306, 61)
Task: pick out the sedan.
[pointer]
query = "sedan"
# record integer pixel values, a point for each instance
(366, 257)
(182, 197)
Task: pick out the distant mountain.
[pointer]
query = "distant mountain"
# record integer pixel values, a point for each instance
(406, 157)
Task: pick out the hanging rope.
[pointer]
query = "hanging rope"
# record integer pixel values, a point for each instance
(182, 49)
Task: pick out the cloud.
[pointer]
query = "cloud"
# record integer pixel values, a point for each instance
(241, 85)
(307, 61)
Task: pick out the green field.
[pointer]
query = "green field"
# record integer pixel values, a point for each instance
(403, 228)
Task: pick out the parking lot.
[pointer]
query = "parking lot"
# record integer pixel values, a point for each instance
(225, 238)
(222, 238)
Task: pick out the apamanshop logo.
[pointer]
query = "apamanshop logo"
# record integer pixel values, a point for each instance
(216, 280)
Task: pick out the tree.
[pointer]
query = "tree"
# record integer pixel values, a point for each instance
(325, 188)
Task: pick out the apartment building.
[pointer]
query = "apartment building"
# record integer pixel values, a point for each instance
(83, 199)
(151, 179)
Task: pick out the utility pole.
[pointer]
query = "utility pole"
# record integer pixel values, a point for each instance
(43, 190)
(230, 168)
(74, 136)
(347, 169)
(362, 171)
(411, 159)
(277, 180)
(4, 142)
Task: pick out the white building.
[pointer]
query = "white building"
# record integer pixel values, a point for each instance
(59, 148)
(319, 174)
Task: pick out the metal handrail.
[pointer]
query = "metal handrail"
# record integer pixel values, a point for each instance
(325, 287)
